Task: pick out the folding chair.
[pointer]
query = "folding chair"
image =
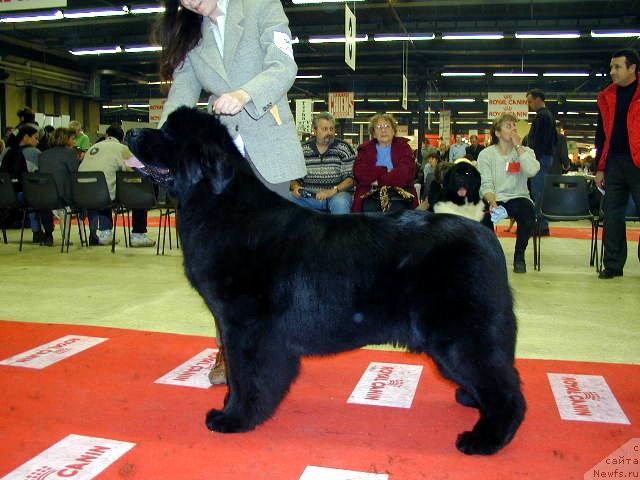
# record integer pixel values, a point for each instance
(133, 191)
(9, 200)
(89, 191)
(168, 206)
(564, 198)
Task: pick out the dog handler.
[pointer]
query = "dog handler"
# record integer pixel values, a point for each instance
(240, 52)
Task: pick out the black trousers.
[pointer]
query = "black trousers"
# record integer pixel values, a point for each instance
(521, 209)
(622, 178)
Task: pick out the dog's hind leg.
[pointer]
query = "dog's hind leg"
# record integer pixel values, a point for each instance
(259, 376)
(490, 382)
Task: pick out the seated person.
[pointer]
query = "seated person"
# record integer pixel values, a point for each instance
(108, 156)
(327, 185)
(61, 161)
(384, 161)
(432, 161)
(20, 157)
(504, 168)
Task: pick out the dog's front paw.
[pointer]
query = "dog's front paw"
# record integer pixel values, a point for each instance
(474, 443)
(220, 421)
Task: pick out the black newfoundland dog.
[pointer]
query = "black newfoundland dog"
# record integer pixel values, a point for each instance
(460, 194)
(284, 281)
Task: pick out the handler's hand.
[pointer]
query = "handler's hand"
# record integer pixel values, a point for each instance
(231, 103)
(600, 180)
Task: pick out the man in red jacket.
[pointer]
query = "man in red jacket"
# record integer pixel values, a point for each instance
(618, 155)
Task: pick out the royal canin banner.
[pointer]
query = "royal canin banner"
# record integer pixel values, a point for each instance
(75, 456)
(387, 385)
(194, 372)
(52, 352)
(586, 398)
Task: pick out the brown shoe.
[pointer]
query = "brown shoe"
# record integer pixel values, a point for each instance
(218, 373)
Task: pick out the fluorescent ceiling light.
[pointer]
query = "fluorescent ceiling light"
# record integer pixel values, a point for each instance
(565, 74)
(149, 9)
(396, 37)
(351, 134)
(318, 100)
(615, 33)
(465, 100)
(308, 77)
(336, 38)
(591, 113)
(164, 82)
(572, 113)
(463, 74)
(515, 74)
(107, 107)
(471, 113)
(109, 12)
(143, 48)
(56, 15)
(548, 34)
(96, 51)
(464, 122)
(601, 74)
(398, 112)
(581, 100)
(360, 123)
(202, 104)
(473, 36)
(383, 100)
(138, 105)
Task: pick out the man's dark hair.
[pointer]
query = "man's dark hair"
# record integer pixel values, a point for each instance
(115, 132)
(631, 57)
(536, 93)
(27, 115)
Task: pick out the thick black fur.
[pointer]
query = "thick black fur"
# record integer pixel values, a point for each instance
(284, 281)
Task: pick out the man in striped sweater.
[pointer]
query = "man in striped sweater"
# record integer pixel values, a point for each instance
(329, 180)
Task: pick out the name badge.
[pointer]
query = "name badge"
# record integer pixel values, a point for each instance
(513, 167)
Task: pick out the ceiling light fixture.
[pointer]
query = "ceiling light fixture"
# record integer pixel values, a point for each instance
(471, 113)
(96, 51)
(308, 77)
(381, 100)
(473, 36)
(581, 100)
(149, 9)
(515, 74)
(335, 38)
(107, 12)
(462, 74)
(138, 105)
(40, 17)
(565, 74)
(143, 48)
(615, 33)
(108, 107)
(527, 35)
(396, 37)
(461, 100)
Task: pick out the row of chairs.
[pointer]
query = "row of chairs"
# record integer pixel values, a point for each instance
(566, 198)
(90, 192)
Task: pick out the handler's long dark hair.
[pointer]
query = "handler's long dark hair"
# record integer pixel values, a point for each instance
(178, 31)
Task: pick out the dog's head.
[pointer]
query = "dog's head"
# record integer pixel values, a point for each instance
(462, 183)
(190, 148)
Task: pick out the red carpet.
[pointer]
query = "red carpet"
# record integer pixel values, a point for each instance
(108, 391)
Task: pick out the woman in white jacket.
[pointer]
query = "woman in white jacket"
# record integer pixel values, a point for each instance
(505, 167)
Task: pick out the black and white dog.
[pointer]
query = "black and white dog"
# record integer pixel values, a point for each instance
(460, 194)
(283, 281)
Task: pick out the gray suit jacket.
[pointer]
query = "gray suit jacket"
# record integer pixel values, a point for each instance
(259, 60)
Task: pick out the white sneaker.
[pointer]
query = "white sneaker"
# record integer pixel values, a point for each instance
(141, 240)
(104, 237)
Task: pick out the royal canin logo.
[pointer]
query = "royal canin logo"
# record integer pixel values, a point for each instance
(579, 399)
(72, 469)
(382, 381)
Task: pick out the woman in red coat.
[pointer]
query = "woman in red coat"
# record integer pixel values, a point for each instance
(385, 160)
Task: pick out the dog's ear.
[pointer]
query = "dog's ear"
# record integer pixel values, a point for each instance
(217, 167)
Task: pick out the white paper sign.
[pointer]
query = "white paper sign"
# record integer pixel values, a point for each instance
(50, 353)
(194, 372)
(75, 456)
(444, 127)
(405, 92)
(322, 473)
(304, 115)
(586, 398)
(350, 37)
(514, 103)
(387, 385)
